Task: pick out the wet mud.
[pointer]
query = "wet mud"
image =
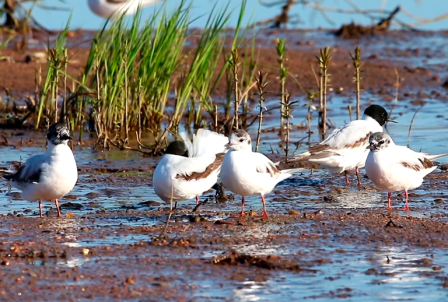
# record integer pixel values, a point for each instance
(320, 242)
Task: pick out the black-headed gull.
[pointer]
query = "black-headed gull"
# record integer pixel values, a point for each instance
(397, 168)
(112, 8)
(248, 173)
(51, 175)
(186, 174)
(346, 147)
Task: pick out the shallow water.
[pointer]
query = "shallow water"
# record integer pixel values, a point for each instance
(110, 191)
(351, 276)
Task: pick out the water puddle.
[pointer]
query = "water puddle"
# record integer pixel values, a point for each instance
(385, 274)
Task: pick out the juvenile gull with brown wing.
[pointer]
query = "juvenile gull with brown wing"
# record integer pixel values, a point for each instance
(397, 168)
(345, 148)
(186, 174)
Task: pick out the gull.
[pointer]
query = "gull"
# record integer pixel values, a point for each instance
(51, 175)
(185, 174)
(397, 168)
(248, 173)
(114, 8)
(346, 147)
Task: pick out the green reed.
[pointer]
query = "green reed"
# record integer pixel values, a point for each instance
(281, 50)
(261, 85)
(195, 84)
(239, 70)
(130, 61)
(57, 61)
(287, 115)
(141, 76)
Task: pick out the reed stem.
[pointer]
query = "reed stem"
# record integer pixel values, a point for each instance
(356, 60)
(261, 84)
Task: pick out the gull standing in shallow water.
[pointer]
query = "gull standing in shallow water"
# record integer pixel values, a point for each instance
(113, 8)
(346, 148)
(397, 168)
(183, 175)
(248, 173)
(51, 175)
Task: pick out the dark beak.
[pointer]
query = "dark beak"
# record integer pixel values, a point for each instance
(66, 136)
(391, 120)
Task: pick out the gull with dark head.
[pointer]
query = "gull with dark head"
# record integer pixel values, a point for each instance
(248, 173)
(397, 168)
(345, 148)
(188, 169)
(51, 175)
(113, 8)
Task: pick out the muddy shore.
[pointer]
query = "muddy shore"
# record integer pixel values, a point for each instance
(323, 241)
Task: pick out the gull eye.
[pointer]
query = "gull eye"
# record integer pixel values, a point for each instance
(381, 142)
(241, 140)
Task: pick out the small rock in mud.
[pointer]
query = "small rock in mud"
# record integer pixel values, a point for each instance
(149, 203)
(330, 198)
(445, 84)
(268, 262)
(71, 206)
(372, 271)
(15, 195)
(293, 212)
(193, 218)
(443, 167)
(92, 195)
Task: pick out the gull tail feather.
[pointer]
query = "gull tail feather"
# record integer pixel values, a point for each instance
(436, 156)
(283, 175)
(302, 156)
(292, 171)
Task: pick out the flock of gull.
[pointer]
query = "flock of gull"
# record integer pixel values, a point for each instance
(190, 168)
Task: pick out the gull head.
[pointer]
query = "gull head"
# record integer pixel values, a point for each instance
(177, 148)
(379, 141)
(240, 141)
(379, 114)
(58, 134)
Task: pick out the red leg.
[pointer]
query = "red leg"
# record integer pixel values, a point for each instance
(357, 176)
(197, 200)
(242, 214)
(56, 203)
(40, 208)
(347, 181)
(264, 214)
(389, 200)
(406, 206)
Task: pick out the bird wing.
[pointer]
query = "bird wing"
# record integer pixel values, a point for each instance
(30, 171)
(352, 135)
(194, 168)
(264, 165)
(343, 140)
(413, 160)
